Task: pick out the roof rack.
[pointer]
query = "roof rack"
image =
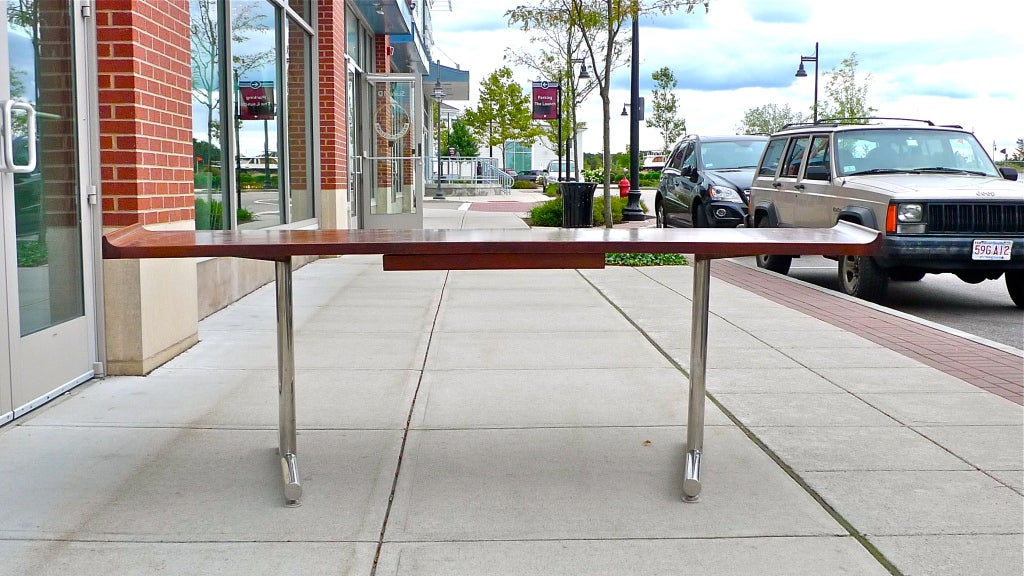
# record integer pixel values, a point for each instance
(833, 122)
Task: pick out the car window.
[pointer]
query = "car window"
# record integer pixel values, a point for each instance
(772, 155)
(689, 158)
(795, 156)
(676, 159)
(819, 153)
(731, 154)
(906, 149)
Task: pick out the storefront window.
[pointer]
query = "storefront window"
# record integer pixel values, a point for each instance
(264, 88)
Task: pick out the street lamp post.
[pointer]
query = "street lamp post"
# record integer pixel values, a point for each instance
(438, 96)
(632, 211)
(801, 73)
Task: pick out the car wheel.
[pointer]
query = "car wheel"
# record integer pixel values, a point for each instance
(1015, 286)
(862, 278)
(778, 264)
(659, 215)
(700, 218)
(906, 275)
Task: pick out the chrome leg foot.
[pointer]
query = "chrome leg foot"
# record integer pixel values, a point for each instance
(292, 487)
(691, 476)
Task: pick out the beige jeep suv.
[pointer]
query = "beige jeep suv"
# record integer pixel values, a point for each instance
(940, 202)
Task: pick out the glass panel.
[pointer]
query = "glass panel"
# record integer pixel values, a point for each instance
(394, 148)
(206, 104)
(46, 203)
(254, 62)
(298, 103)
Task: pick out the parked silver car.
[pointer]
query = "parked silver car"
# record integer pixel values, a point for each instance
(939, 200)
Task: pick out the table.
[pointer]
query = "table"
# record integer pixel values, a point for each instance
(536, 248)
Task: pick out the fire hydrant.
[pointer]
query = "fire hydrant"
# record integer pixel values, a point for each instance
(624, 187)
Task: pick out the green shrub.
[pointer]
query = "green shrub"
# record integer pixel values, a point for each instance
(31, 253)
(524, 185)
(551, 189)
(210, 215)
(547, 214)
(644, 259)
(550, 212)
(617, 205)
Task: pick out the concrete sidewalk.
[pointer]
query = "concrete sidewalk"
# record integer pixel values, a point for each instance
(518, 423)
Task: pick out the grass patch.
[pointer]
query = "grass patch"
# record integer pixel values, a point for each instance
(644, 259)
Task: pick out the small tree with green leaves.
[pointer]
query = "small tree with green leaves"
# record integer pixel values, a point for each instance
(844, 97)
(503, 114)
(768, 119)
(665, 110)
(461, 139)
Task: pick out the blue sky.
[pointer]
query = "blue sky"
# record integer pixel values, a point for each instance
(945, 61)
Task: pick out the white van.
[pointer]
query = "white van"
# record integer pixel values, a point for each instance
(568, 171)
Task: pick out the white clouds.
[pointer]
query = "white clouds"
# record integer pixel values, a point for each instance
(951, 62)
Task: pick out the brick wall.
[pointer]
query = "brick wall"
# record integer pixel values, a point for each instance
(144, 70)
(332, 94)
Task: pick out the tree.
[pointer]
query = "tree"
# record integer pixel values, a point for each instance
(462, 140)
(843, 97)
(768, 119)
(1018, 154)
(503, 114)
(665, 110)
(599, 22)
(553, 61)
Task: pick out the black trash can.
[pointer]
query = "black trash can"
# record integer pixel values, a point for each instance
(577, 204)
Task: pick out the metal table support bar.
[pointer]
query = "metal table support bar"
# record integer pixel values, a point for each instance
(698, 368)
(286, 382)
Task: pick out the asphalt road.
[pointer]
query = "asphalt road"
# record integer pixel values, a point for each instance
(984, 309)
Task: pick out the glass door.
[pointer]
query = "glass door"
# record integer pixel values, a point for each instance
(395, 161)
(46, 315)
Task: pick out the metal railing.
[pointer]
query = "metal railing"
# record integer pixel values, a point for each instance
(463, 170)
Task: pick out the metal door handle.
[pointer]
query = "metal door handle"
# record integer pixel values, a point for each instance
(799, 186)
(777, 184)
(8, 138)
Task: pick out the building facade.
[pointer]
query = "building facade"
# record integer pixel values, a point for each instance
(182, 114)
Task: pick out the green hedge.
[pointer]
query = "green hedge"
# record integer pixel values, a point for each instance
(550, 213)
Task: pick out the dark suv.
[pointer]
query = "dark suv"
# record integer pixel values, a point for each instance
(940, 202)
(705, 181)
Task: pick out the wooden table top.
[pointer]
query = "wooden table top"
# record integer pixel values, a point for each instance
(137, 241)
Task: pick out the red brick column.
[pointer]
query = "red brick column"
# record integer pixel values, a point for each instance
(144, 70)
(332, 93)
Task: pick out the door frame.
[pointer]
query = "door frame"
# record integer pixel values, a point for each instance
(30, 357)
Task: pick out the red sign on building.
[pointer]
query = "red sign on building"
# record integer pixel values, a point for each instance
(545, 100)
(256, 100)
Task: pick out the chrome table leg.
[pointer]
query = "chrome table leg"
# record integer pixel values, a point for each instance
(286, 383)
(698, 366)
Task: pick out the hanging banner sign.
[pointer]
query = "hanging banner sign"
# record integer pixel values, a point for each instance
(256, 100)
(545, 100)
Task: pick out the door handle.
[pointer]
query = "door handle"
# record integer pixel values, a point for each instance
(799, 186)
(777, 184)
(8, 138)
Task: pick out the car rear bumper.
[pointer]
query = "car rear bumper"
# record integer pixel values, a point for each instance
(944, 255)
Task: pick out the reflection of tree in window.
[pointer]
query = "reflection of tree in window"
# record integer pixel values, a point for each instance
(246, 22)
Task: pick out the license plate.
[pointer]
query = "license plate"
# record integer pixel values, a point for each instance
(992, 250)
